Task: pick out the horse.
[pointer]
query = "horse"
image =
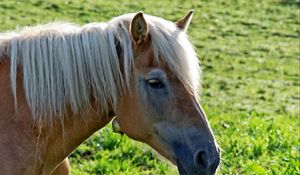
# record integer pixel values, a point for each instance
(61, 82)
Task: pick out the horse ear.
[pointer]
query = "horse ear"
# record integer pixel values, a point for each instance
(184, 22)
(139, 28)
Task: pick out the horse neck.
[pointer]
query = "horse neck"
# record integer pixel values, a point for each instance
(67, 135)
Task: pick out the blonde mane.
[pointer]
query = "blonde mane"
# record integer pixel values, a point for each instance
(65, 64)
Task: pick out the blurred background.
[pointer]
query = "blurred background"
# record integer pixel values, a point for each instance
(249, 52)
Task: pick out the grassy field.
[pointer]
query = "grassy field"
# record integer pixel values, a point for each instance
(251, 68)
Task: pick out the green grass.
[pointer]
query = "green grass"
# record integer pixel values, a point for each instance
(251, 67)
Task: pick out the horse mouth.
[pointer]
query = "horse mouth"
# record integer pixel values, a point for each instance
(187, 171)
(180, 167)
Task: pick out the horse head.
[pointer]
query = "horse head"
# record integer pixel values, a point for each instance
(161, 107)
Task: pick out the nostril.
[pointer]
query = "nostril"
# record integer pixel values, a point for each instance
(201, 160)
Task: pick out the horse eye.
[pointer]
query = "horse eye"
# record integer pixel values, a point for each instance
(155, 83)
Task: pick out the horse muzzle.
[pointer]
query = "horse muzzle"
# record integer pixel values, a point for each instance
(200, 162)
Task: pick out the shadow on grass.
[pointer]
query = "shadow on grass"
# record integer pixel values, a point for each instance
(294, 3)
